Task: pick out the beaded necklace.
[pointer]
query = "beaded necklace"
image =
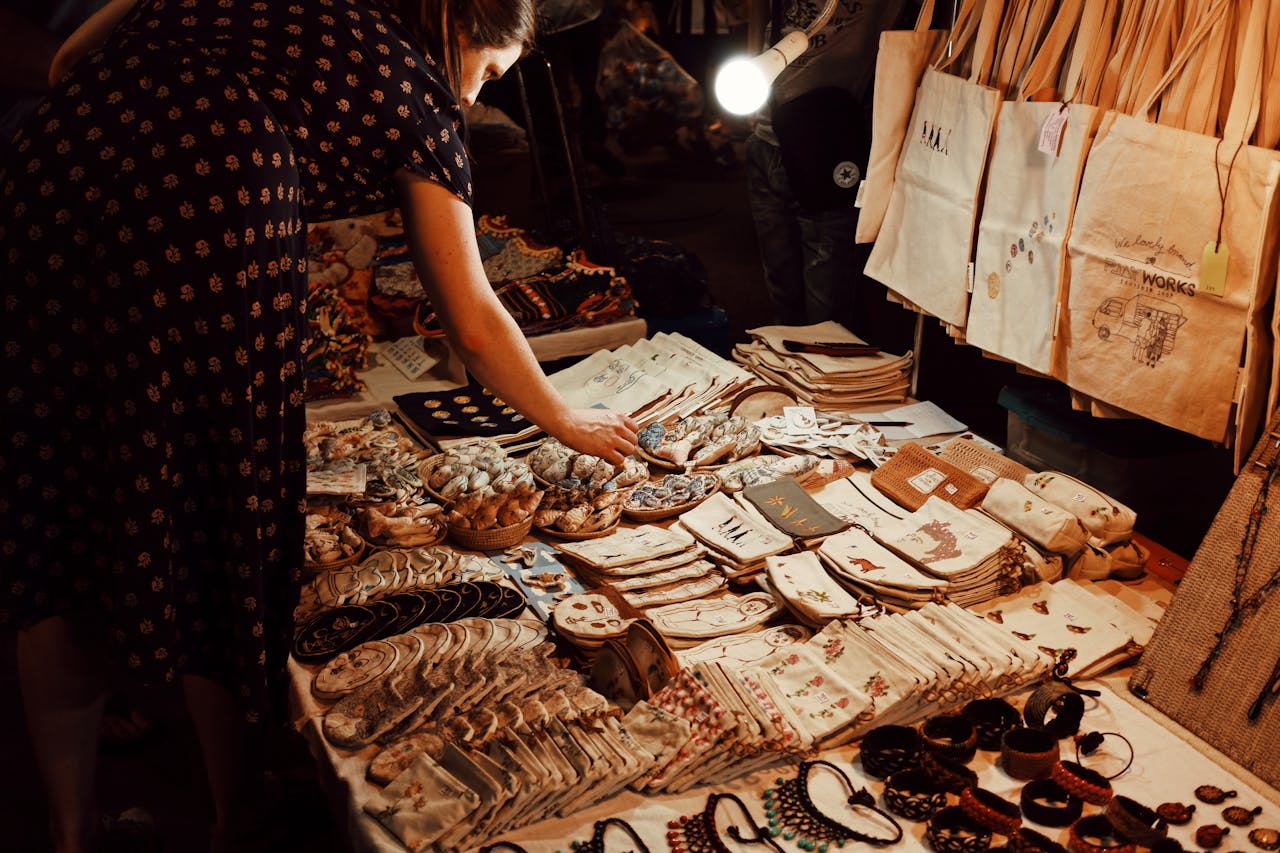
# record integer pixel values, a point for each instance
(1241, 607)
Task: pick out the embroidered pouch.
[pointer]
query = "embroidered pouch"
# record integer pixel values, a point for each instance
(1046, 524)
(1106, 519)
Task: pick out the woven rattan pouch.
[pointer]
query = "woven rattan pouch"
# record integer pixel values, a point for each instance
(913, 474)
(968, 455)
(1241, 678)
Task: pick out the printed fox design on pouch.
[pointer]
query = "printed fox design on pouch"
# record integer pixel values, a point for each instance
(940, 532)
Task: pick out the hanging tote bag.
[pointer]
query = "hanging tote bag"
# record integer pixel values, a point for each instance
(1146, 332)
(1028, 205)
(926, 241)
(900, 62)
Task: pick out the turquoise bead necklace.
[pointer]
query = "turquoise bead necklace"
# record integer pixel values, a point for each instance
(791, 813)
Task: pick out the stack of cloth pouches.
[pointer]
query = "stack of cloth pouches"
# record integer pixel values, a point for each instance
(648, 565)
(737, 539)
(825, 365)
(716, 721)
(1103, 623)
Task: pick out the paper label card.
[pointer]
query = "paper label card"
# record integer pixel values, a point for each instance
(1051, 131)
(1213, 268)
(801, 420)
(409, 357)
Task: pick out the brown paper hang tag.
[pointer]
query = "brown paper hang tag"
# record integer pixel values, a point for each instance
(1051, 131)
(1213, 268)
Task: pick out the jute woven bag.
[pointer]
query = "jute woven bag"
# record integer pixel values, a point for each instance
(1242, 676)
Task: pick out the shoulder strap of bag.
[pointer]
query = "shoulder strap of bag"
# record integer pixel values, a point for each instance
(1246, 97)
(963, 29)
(1188, 43)
(1192, 101)
(1022, 40)
(984, 44)
(1084, 74)
(1267, 134)
(1153, 47)
(1121, 52)
(925, 19)
(1046, 67)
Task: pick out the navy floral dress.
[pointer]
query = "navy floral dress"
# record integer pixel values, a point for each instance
(153, 222)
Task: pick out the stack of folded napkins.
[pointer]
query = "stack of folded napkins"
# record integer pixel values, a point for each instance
(976, 556)
(1103, 629)
(737, 539)
(825, 365)
(715, 721)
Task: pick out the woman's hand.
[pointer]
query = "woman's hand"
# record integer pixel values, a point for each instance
(599, 432)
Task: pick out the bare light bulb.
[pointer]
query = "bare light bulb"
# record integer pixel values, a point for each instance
(742, 84)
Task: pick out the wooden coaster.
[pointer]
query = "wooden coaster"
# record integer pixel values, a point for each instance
(348, 670)
(335, 631)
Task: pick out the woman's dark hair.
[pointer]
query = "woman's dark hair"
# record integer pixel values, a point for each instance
(441, 25)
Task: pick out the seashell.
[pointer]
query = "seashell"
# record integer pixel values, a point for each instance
(478, 480)
(677, 452)
(442, 474)
(651, 436)
(601, 519)
(572, 521)
(568, 483)
(584, 466)
(547, 517)
(713, 451)
(454, 487)
(608, 497)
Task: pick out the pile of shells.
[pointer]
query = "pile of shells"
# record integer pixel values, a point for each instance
(391, 460)
(329, 537)
(483, 487)
(585, 494)
(673, 490)
(700, 440)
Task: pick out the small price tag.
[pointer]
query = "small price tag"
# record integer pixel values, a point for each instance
(1051, 131)
(1213, 268)
(409, 357)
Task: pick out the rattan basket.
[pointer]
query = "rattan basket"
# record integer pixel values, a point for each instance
(492, 539)
(424, 473)
(645, 516)
(350, 560)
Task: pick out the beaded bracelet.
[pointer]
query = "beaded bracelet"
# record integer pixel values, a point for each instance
(1135, 821)
(1089, 785)
(991, 718)
(991, 810)
(950, 830)
(914, 794)
(950, 736)
(1047, 803)
(1095, 834)
(1028, 753)
(888, 749)
(1066, 704)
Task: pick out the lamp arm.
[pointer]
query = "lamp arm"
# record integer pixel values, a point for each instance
(823, 16)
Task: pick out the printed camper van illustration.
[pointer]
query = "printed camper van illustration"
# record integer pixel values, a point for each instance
(1150, 324)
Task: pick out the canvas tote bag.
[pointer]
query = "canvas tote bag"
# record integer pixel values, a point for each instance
(926, 241)
(1028, 205)
(903, 56)
(1143, 333)
(1242, 672)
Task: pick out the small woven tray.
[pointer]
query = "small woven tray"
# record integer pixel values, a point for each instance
(578, 537)
(424, 472)
(349, 560)
(375, 545)
(493, 539)
(644, 516)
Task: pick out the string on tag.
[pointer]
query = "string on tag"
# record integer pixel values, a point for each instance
(1222, 188)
